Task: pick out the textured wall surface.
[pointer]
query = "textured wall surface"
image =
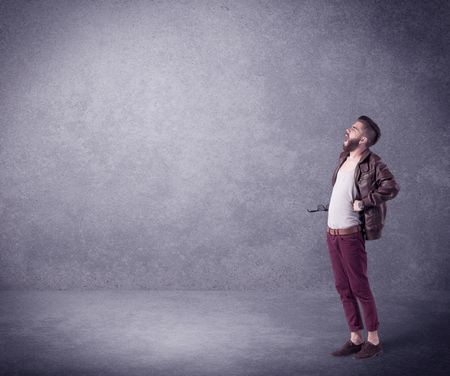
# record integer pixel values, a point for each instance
(177, 144)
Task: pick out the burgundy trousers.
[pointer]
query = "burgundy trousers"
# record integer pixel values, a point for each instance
(349, 263)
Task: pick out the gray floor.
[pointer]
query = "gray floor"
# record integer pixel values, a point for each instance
(213, 333)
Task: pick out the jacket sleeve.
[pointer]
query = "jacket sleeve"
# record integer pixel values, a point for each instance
(386, 188)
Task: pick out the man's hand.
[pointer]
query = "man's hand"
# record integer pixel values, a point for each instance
(358, 205)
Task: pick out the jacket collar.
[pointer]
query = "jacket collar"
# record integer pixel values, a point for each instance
(342, 158)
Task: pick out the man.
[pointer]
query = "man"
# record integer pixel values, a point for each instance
(362, 184)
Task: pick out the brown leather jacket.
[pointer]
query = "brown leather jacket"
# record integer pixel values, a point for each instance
(375, 185)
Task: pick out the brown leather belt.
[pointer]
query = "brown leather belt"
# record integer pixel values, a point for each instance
(344, 231)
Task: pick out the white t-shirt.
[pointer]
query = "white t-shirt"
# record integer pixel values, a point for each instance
(340, 210)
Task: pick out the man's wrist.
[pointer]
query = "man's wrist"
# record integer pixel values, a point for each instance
(366, 202)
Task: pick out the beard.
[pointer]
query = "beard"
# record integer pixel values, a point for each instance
(351, 145)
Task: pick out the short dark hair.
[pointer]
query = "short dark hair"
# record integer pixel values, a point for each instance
(371, 129)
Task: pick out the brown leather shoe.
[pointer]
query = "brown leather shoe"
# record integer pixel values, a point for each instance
(347, 349)
(369, 350)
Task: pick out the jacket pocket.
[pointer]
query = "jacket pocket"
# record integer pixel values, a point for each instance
(367, 175)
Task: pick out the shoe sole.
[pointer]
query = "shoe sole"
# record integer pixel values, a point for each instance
(369, 357)
(349, 354)
(341, 355)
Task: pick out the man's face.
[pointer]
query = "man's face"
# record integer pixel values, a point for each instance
(353, 136)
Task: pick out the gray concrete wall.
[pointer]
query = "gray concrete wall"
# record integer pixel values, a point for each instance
(177, 144)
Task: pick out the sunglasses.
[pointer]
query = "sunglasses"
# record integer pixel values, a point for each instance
(320, 207)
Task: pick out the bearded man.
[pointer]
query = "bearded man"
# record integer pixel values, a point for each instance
(362, 183)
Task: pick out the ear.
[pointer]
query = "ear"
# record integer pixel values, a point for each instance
(364, 140)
